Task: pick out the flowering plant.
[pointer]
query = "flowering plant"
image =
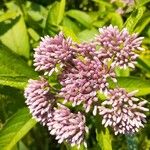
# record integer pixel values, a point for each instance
(74, 74)
(83, 71)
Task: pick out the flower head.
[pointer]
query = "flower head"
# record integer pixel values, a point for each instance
(67, 126)
(39, 99)
(86, 49)
(81, 82)
(52, 51)
(127, 2)
(118, 45)
(123, 112)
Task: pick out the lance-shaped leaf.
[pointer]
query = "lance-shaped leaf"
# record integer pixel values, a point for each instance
(81, 17)
(134, 18)
(14, 35)
(103, 136)
(18, 82)
(13, 65)
(16, 127)
(133, 83)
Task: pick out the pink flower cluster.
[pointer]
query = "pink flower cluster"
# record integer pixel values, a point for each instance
(123, 111)
(83, 71)
(119, 46)
(66, 126)
(51, 52)
(81, 82)
(39, 100)
(127, 5)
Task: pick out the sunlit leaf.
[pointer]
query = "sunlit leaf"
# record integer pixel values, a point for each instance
(16, 127)
(144, 66)
(134, 18)
(103, 136)
(116, 19)
(69, 33)
(8, 15)
(145, 56)
(15, 37)
(55, 17)
(87, 35)
(35, 14)
(14, 81)
(122, 72)
(81, 17)
(35, 36)
(67, 22)
(141, 2)
(144, 21)
(13, 65)
(61, 11)
(133, 83)
(104, 139)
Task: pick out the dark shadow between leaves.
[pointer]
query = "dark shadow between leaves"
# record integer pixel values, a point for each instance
(8, 24)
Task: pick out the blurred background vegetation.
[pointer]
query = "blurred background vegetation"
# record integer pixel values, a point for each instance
(22, 23)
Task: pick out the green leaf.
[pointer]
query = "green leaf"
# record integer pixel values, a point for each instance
(100, 23)
(145, 20)
(87, 35)
(51, 22)
(81, 17)
(8, 15)
(13, 65)
(35, 14)
(116, 19)
(145, 57)
(102, 135)
(69, 33)
(11, 99)
(16, 37)
(122, 72)
(52, 14)
(141, 64)
(61, 11)
(35, 36)
(103, 5)
(134, 18)
(16, 127)
(16, 81)
(133, 83)
(104, 139)
(144, 62)
(55, 17)
(141, 2)
(22, 146)
(67, 22)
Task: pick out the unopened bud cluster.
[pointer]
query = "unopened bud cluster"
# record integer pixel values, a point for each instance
(126, 5)
(83, 71)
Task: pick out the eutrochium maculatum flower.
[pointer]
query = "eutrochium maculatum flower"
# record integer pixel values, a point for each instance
(125, 7)
(118, 46)
(82, 81)
(39, 99)
(83, 70)
(52, 52)
(67, 126)
(123, 111)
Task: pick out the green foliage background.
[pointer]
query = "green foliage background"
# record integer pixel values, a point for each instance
(22, 23)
